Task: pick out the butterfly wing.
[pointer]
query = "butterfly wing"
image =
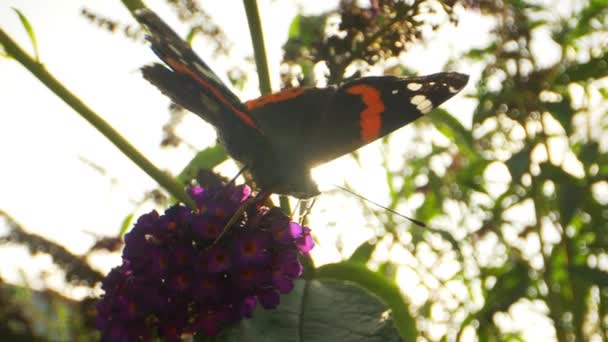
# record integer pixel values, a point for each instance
(280, 136)
(321, 124)
(190, 83)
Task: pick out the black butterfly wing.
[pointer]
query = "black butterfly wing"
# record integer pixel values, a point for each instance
(190, 83)
(291, 118)
(321, 124)
(280, 136)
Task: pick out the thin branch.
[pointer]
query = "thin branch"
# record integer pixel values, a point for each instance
(38, 70)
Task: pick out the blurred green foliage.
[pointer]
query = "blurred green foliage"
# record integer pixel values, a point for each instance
(536, 238)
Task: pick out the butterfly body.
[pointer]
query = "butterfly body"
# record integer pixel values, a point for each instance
(280, 136)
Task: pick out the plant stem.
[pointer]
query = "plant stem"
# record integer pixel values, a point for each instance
(38, 70)
(261, 62)
(257, 40)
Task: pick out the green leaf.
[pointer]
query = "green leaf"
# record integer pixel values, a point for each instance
(206, 159)
(480, 53)
(319, 311)
(559, 263)
(133, 5)
(471, 175)
(562, 112)
(126, 224)
(510, 286)
(519, 163)
(387, 290)
(363, 253)
(488, 104)
(569, 196)
(570, 191)
(595, 68)
(589, 153)
(593, 275)
(294, 27)
(192, 34)
(388, 270)
(30, 32)
(584, 23)
(306, 29)
(449, 126)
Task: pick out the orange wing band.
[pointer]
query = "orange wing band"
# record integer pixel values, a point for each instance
(370, 119)
(274, 98)
(181, 68)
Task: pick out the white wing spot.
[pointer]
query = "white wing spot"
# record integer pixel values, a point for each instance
(395, 92)
(453, 90)
(425, 106)
(418, 99)
(414, 86)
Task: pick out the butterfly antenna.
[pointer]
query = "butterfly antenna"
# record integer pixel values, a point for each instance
(261, 197)
(233, 180)
(414, 221)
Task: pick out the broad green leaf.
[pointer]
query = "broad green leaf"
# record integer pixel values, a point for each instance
(380, 286)
(317, 311)
(388, 270)
(30, 32)
(363, 253)
(206, 159)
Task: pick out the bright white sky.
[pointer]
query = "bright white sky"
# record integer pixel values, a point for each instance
(44, 184)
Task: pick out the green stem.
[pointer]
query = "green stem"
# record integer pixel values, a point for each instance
(38, 69)
(133, 5)
(553, 300)
(261, 62)
(259, 50)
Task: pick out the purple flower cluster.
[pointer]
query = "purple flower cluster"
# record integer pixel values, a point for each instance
(182, 273)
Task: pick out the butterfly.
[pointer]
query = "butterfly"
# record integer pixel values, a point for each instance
(279, 137)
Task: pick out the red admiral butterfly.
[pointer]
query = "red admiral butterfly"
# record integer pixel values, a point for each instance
(280, 137)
